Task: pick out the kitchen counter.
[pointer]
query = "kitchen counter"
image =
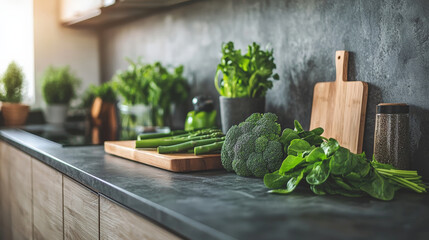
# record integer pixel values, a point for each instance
(221, 205)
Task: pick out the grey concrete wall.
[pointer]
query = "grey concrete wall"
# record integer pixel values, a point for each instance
(388, 41)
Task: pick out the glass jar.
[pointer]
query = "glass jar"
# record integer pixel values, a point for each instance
(137, 119)
(392, 136)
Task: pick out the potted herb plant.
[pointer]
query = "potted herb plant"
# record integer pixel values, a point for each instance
(244, 83)
(148, 92)
(58, 89)
(14, 113)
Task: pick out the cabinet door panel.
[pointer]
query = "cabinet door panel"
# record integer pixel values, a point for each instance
(16, 197)
(47, 202)
(80, 211)
(117, 222)
(5, 227)
(20, 194)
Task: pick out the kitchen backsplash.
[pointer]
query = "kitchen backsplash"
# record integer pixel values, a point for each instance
(388, 43)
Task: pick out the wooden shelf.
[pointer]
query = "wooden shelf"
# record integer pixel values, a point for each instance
(119, 12)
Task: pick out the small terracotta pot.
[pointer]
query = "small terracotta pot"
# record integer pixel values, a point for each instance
(14, 114)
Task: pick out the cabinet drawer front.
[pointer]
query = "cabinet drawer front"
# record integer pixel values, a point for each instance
(80, 211)
(47, 202)
(117, 222)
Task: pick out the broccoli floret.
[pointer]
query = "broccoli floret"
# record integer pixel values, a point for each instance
(245, 145)
(254, 117)
(239, 166)
(273, 155)
(260, 144)
(257, 165)
(227, 151)
(252, 148)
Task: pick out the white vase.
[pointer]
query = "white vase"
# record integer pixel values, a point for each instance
(56, 113)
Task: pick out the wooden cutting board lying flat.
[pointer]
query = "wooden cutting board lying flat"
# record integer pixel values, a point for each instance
(179, 162)
(340, 107)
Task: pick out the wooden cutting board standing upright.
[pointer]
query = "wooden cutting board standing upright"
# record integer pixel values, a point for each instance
(340, 107)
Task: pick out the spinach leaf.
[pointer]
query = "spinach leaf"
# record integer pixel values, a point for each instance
(298, 126)
(290, 163)
(316, 155)
(318, 131)
(291, 184)
(298, 146)
(341, 162)
(287, 136)
(275, 180)
(317, 189)
(319, 174)
(379, 187)
(330, 146)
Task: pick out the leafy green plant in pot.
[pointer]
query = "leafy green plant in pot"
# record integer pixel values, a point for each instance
(14, 113)
(148, 92)
(244, 83)
(58, 88)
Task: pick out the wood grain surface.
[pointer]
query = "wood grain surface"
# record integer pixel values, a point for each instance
(47, 202)
(340, 107)
(117, 222)
(80, 211)
(20, 193)
(179, 162)
(15, 193)
(5, 227)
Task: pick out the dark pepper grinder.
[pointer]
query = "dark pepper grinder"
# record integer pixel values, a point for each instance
(392, 135)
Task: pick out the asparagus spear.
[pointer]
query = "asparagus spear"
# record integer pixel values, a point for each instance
(183, 147)
(156, 142)
(209, 148)
(160, 135)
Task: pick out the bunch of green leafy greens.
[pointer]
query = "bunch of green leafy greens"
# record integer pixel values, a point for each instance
(152, 85)
(252, 148)
(105, 91)
(59, 85)
(12, 83)
(247, 75)
(329, 168)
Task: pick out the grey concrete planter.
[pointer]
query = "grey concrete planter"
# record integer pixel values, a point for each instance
(56, 113)
(235, 110)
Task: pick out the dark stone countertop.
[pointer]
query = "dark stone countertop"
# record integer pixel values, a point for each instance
(221, 205)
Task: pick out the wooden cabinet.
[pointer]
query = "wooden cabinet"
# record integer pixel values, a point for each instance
(38, 202)
(47, 202)
(16, 197)
(80, 211)
(5, 227)
(117, 222)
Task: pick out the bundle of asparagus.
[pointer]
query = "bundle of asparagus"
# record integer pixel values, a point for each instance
(205, 141)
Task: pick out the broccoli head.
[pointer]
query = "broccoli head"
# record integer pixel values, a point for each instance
(252, 148)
